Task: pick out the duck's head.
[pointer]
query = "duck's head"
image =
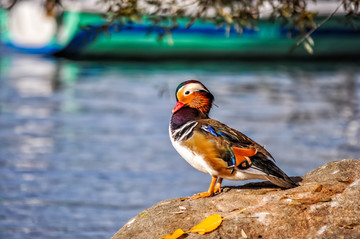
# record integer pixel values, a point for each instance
(195, 95)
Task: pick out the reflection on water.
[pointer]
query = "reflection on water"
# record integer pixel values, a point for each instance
(84, 146)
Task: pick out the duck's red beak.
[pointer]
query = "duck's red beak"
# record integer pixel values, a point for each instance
(178, 106)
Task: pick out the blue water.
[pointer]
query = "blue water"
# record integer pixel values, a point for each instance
(84, 146)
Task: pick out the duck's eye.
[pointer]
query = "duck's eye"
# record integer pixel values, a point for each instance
(187, 92)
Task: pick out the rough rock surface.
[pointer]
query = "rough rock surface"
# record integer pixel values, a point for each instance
(325, 205)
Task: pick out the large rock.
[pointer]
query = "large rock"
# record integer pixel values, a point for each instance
(325, 205)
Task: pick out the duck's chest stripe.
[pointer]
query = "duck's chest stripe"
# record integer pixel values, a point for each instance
(185, 131)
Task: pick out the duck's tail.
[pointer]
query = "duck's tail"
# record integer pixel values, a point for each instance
(284, 182)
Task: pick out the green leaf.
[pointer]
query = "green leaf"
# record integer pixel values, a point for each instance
(308, 48)
(310, 41)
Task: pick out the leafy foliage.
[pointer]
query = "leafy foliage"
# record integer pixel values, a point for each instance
(236, 14)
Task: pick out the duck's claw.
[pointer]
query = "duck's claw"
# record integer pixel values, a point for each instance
(215, 187)
(201, 195)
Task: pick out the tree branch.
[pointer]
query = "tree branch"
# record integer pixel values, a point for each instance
(308, 34)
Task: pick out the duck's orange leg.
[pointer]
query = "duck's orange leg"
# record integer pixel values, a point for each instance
(209, 192)
(218, 186)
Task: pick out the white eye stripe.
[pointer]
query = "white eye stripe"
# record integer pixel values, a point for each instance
(192, 87)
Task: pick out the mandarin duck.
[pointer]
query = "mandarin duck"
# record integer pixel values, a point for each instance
(214, 148)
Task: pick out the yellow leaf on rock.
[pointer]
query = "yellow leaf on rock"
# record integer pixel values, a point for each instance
(319, 188)
(143, 215)
(176, 234)
(208, 224)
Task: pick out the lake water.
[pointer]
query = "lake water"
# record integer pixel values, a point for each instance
(84, 146)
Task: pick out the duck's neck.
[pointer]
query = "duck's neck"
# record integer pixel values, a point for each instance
(185, 115)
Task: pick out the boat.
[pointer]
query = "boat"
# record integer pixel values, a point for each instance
(80, 33)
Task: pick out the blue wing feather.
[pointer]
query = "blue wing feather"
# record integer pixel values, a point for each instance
(209, 129)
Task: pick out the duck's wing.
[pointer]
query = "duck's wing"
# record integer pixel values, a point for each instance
(242, 153)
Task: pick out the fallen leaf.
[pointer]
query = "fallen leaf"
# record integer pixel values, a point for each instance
(319, 188)
(176, 234)
(182, 210)
(325, 200)
(243, 234)
(349, 181)
(178, 212)
(143, 215)
(209, 224)
(351, 225)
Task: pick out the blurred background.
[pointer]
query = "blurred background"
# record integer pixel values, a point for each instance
(84, 143)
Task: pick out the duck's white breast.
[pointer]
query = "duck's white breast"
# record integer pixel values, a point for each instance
(195, 160)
